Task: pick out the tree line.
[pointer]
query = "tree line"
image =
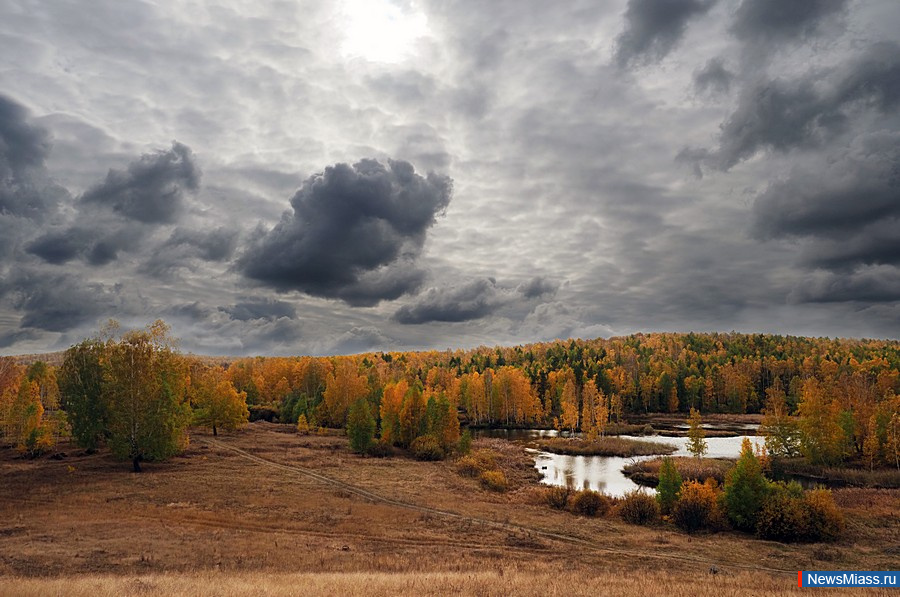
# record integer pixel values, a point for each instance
(831, 400)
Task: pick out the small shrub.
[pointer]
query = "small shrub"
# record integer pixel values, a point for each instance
(468, 466)
(380, 450)
(826, 521)
(638, 507)
(558, 497)
(486, 459)
(494, 480)
(648, 430)
(783, 517)
(302, 425)
(590, 503)
(426, 447)
(697, 507)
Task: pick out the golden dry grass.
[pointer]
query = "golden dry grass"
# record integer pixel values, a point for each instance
(502, 581)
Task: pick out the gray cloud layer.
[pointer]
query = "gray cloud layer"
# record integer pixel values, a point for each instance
(559, 126)
(653, 28)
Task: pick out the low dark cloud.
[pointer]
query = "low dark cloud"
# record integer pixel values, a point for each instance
(654, 28)
(361, 339)
(538, 287)
(192, 311)
(62, 302)
(855, 188)
(784, 114)
(117, 215)
(353, 233)
(186, 245)
(473, 300)
(25, 188)
(713, 77)
(10, 338)
(868, 285)
(152, 189)
(260, 308)
(846, 209)
(777, 20)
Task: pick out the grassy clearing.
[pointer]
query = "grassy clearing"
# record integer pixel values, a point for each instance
(605, 446)
(646, 472)
(214, 521)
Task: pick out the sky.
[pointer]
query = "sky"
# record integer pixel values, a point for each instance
(293, 177)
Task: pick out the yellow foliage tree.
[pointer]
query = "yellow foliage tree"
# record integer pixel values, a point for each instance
(342, 388)
(569, 403)
(391, 404)
(216, 402)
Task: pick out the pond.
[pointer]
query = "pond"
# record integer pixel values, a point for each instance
(604, 473)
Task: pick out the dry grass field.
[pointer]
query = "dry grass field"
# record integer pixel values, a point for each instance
(266, 511)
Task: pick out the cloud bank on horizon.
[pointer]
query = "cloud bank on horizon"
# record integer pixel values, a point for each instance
(269, 179)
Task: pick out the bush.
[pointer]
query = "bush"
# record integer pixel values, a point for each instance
(380, 450)
(427, 447)
(697, 507)
(302, 425)
(494, 480)
(468, 466)
(638, 507)
(590, 503)
(558, 497)
(790, 515)
(826, 521)
(783, 517)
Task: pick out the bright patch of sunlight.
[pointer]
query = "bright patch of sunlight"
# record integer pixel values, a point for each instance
(380, 30)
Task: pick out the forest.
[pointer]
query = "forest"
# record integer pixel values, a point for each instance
(831, 400)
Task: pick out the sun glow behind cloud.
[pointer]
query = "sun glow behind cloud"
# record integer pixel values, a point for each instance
(381, 31)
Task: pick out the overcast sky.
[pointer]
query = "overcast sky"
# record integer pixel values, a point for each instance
(331, 177)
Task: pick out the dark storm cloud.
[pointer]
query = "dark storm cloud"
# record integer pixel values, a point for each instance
(9, 338)
(713, 77)
(870, 285)
(25, 189)
(538, 287)
(61, 302)
(117, 215)
(152, 189)
(98, 245)
(186, 245)
(653, 28)
(193, 311)
(260, 308)
(473, 300)
(780, 20)
(858, 187)
(873, 244)
(353, 234)
(789, 114)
